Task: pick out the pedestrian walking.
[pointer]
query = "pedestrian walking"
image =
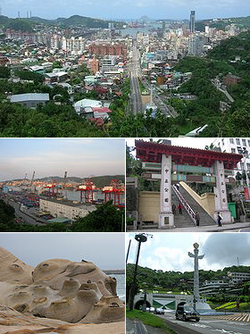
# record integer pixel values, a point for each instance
(219, 219)
(180, 207)
(197, 218)
(173, 209)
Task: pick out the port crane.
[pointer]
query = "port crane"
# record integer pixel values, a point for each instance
(114, 192)
(88, 189)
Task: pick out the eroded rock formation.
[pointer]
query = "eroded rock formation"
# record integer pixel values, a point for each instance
(70, 292)
(14, 270)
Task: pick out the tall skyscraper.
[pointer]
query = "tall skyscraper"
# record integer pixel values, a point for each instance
(192, 21)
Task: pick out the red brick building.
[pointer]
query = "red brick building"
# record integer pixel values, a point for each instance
(231, 80)
(108, 49)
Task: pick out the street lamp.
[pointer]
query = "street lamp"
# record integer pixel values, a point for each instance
(142, 237)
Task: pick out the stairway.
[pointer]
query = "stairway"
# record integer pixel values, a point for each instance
(182, 220)
(205, 218)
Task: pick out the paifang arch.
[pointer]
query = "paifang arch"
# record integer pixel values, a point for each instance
(178, 158)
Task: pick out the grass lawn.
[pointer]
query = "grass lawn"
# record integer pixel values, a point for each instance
(149, 319)
(232, 306)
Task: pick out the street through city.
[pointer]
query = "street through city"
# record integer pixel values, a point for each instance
(27, 217)
(136, 102)
(135, 97)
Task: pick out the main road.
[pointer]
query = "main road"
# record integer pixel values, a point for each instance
(135, 70)
(204, 326)
(135, 96)
(207, 325)
(28, 218)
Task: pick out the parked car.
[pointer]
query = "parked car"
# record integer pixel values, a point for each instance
(159, 310)
(186, 312)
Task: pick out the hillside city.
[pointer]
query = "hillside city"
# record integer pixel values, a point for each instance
(59, 202)
(88, 77)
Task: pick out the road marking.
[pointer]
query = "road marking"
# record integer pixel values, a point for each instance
(225, 331)
(200, 325)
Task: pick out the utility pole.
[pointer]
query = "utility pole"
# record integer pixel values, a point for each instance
(142, 237)
(129, 245)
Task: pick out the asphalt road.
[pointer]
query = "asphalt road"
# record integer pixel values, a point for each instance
(21, 214)
(204, 326)
(137, 327)
(134, 74)
(207, 326)
(167, 110)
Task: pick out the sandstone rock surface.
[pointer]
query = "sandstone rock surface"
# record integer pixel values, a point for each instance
(14, 270)
(57, 292)
(13, 322)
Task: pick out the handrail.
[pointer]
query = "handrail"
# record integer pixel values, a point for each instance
(185, 204)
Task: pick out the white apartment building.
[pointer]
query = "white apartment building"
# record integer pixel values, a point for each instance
(73, 44)
(239, 277)
(64, 208)
(56, 42)
(215, 286)
(238, 146)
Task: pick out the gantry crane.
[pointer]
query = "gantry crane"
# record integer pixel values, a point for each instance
(33, 177)
(52, 186)
(114, 192)
(88, 188)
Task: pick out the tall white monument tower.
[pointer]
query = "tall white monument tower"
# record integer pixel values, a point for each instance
(196, 257)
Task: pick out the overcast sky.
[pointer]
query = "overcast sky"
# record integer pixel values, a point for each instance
(165, 9)
(52, 157)
(169, 251)
(106, 250)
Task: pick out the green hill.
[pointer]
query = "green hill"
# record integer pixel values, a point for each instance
(74, 20)
(233, 47)
(77, 20)
(16, 24)
(99, 181)
(176, 280)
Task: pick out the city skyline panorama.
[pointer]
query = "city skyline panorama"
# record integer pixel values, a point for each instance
(127, 9)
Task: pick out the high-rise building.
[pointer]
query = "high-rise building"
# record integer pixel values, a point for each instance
(196, 45)
(239, 146)
(192, 21)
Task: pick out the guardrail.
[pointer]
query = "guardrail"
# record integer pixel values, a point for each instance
(185, 204)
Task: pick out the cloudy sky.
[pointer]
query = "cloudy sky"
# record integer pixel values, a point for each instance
(165, 9)
(169, 251)
(106, 250)
(52, 157)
